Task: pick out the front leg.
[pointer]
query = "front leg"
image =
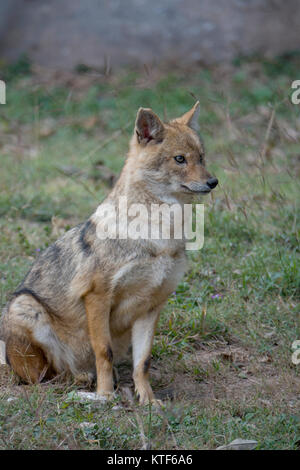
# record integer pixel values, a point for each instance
(142, 340)
(98, 311)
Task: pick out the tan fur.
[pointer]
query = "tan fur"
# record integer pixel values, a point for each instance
(28, 360)
(85, 300)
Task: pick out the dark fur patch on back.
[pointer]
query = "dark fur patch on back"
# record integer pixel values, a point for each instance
(35, 274)
(86, 237)
(52, 253)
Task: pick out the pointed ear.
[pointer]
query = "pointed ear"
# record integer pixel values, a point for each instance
(148, 126)
(191, 117)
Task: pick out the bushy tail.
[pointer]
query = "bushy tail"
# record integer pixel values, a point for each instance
(27, 360)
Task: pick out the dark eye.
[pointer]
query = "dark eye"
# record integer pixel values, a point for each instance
(180, 159)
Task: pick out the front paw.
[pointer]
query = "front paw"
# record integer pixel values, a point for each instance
(146, 396)
(105, 396)
(156, 403)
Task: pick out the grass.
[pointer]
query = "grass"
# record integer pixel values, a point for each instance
(222, 353)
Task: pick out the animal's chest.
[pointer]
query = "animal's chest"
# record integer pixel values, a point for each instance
(143, 285)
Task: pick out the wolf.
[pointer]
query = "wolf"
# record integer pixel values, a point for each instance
(86, 299)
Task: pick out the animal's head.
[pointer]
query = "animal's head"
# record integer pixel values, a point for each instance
(170, 157)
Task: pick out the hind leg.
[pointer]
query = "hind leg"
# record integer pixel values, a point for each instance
(26, 356)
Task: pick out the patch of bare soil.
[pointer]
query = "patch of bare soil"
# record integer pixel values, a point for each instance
(230, 373)
(227, 373)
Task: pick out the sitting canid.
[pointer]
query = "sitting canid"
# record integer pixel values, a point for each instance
(87, 299)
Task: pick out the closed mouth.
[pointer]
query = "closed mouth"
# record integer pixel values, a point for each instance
(202, 190)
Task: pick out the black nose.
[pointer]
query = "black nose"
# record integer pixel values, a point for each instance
(212, 183)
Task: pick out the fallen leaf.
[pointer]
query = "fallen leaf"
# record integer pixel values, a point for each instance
(239, 444)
